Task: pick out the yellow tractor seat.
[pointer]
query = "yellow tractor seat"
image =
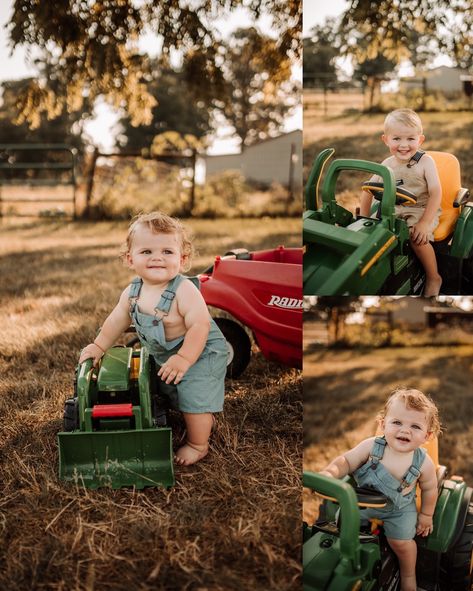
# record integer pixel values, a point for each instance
(450, 179)
(432, 449)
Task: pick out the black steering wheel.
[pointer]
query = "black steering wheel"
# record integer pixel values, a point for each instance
(403, 197)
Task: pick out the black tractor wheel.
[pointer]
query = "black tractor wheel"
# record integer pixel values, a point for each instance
(457, 564)
(71, 414)
(239, 346)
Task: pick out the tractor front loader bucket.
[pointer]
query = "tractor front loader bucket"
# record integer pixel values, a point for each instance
(137, 458)
(110, 436)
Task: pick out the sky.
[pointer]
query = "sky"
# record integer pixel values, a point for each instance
(316, 11)
(19, 65)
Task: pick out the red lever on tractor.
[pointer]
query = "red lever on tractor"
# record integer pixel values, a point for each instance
(112, 410)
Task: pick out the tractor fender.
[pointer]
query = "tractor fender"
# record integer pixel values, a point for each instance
(450, 514)
(462, 243)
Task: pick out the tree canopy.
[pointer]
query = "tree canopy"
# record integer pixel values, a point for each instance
(175, 111)
(320, 50)
(387, 28)
(257, 89)
(93, 46)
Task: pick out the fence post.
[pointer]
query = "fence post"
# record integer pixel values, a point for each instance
(90, 182)
(292, 165)
(74, 183)
(192, 199)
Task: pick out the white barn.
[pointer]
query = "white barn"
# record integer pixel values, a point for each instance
(450, 81)
(276, 159)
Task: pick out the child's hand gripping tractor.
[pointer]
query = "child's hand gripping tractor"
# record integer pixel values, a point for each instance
(115, 430)
(338, 555)
(349, 255)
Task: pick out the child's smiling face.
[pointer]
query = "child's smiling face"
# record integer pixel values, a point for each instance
(156, 258)
(405, 429)
(403, 141)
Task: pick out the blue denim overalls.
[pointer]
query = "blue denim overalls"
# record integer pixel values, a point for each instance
(201, 389)
(400, 514)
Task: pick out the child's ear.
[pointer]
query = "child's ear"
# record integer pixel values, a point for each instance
(381, 425)
(429, 436)
(421, 139)
(385, 139)
(184, 261)
(128, 260)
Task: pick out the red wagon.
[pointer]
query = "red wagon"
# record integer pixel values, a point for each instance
(261, 290)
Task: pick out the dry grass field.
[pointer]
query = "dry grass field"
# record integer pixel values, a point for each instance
(354, 134)
(344, 389)
(231, 522)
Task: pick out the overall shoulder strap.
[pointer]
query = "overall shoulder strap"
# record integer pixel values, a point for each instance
(413, 472)
(135, 288)
(168, 295)
(377, 451)
(419, 457)
(415, 159)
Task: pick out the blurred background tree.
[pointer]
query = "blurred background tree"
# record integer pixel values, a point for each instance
(395, 31)
(174, 111)
(15, 130)
(319, 52)
(93, 47)
(257, 91)
(371, 72)
(54, 130)
(337, 309)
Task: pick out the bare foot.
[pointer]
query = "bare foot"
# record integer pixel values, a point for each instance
(432, 287)
(190, 453)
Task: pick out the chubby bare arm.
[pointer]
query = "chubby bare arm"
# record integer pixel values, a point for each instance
(366, 200)
(429, 487)
(419, 233)
(117, 321)
(349, 461)
(192, 307)
(434, 187)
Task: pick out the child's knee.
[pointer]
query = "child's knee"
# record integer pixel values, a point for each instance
(402, 547)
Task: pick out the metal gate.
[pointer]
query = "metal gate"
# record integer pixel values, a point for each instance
(19, 168)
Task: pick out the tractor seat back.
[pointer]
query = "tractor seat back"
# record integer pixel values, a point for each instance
(432, 449)
(450, 179)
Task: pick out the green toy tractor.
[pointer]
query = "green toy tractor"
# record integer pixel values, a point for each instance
(115, 431)
(347, 254)
(339, 556)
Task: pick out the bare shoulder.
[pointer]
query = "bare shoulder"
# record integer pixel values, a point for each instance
(367, 444)
(428, 466)
(389, 161)
(427, 158)
(359, 454)
(187, 288)
(125, 296)
(428, 162)
(188, 296)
